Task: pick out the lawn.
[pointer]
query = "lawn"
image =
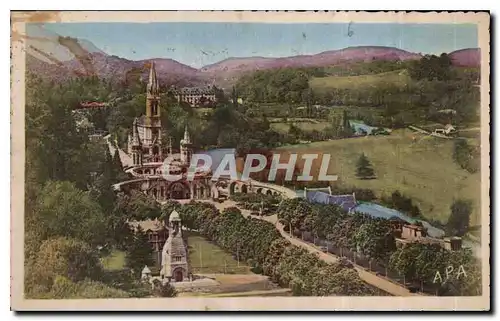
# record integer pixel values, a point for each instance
(422, 169)
(206, 257)
(397, 77)
(114, 261)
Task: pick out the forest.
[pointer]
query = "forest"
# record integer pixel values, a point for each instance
(404, 92)
(73, 218)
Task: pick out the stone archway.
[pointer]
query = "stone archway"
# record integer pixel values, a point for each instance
(178, 191)
(269, 192)
(244, 188)
(232, 188)
(178, 275)
(259, 190)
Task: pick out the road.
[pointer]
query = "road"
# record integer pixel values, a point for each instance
(370, 278)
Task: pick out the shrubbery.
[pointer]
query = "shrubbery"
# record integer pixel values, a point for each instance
(259, 242)
(373, 238)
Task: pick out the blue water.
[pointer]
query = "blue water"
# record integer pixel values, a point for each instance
(361, 127)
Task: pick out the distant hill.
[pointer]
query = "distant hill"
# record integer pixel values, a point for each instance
(470, 57)
(59, 58)
(327, 58)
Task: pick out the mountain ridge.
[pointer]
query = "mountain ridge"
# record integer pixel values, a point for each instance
(60, 58)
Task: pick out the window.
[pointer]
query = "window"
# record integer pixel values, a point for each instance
(177, 258)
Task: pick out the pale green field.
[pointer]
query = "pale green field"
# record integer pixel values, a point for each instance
(114, 261)
(398, 77)
(423, 170)
(206, 257)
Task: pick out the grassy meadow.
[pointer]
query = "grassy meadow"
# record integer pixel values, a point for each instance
(422, 169)
(397, 77)
(114, 261)
(206, 257)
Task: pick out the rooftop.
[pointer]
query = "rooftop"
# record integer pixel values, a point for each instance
(195, 91)
(174, 216)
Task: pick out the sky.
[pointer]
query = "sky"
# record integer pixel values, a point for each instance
(199, 44)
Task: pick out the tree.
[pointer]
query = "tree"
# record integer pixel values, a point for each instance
(466, 156)
(458, 223)
(64, 288)
(139, 206)
(375, 240)
(364, 169)
(140, 252)
(164, 290)
(64, 210)
(117, 168)
(67, 257)
(346, 125)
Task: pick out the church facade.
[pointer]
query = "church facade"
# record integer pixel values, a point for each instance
(148, 153)
(174, 262)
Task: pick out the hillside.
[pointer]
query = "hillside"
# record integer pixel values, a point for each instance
(58, 58)
(423, 170)
(393, 78)
(470, 57)
(327, 58)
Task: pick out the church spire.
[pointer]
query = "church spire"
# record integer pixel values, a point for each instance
(169, 146)
(135, 134)
(153, 88)
(187, 137)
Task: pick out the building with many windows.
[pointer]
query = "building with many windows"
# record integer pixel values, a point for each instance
(197, 96)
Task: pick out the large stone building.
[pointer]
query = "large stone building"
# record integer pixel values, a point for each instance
(197, 97)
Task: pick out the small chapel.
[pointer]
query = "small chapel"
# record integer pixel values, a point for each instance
(174, 262)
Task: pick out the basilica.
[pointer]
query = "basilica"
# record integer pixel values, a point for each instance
(148, 153)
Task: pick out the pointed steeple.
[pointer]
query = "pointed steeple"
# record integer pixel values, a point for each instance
(135, 137)
(187, 137)
(169, 146)
(153, 88)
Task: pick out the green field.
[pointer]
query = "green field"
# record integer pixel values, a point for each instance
(114, 261)
(397, 77)
(423, 170)
(206, 257)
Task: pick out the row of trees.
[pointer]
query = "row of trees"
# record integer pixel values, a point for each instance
(466, 156)
(260, 244)
(256, 202)
(374, 239)
(402, 203)
(454, 273)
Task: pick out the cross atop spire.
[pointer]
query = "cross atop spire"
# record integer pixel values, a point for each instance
(153, 87)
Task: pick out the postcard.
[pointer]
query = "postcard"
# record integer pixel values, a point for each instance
(237, 161)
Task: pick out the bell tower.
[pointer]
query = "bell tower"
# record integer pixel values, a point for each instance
(152, 122)
(153, 96)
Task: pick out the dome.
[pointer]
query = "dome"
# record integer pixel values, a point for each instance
(174, 217)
